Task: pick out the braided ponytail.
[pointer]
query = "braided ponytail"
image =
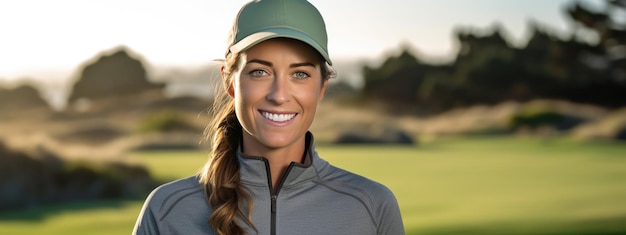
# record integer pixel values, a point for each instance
(220, 174)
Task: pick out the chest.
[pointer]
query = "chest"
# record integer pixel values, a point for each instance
(313, 210)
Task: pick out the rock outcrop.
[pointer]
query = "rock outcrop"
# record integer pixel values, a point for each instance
(24, 96)
(114, 74)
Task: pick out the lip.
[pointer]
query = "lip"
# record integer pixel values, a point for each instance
(277, 123)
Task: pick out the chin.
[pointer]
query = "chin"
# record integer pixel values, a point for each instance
(276, 141)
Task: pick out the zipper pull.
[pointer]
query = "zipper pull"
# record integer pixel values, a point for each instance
(274, 203)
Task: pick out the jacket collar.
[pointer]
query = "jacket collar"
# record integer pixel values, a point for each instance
(255, 169)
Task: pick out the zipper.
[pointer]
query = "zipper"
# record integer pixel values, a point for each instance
(273, 225)
(274, 194)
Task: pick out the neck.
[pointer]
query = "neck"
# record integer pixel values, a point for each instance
(279, 158)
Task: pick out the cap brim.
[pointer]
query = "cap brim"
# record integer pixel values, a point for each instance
(266, 34)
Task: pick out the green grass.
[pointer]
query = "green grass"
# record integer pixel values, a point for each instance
(96, 217)
(500, 186)
(170, 165)
(454, 186)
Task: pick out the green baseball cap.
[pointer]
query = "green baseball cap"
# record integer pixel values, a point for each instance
(260, 20)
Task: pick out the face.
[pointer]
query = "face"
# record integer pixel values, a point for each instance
(276, 91)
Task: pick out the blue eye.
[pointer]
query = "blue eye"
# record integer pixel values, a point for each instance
(258, 73)
(300, 75)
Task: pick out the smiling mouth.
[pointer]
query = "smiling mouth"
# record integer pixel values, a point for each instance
(276, 117)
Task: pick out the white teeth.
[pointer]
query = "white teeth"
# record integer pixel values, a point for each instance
(278, 117)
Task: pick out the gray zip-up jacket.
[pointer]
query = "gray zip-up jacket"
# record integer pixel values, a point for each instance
(313, 198)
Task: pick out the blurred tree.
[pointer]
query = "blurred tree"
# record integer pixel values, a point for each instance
(483, 67)
(383, 83)
(608, 57)
(397, 80)
(489, 70)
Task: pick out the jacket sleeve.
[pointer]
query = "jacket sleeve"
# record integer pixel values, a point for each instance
(147, 223)
(390, 219)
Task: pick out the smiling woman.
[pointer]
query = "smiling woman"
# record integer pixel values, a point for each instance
(264, 175)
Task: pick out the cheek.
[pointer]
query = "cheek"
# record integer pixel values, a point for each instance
(247, 92)
(310, 96)
(247, 96)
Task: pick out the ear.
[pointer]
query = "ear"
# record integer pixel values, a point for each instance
(227, 83)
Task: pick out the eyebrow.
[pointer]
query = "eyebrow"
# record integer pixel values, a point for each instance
(267, 63)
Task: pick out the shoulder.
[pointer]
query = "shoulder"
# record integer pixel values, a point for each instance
(176, 198)
(178, 207)
(345, 181)
(169, 194)
(357, 185)
(378, 198)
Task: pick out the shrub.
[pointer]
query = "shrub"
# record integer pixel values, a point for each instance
(375, 134)
(164, 121)
(543, 118)
(35, 177)
(536, 119)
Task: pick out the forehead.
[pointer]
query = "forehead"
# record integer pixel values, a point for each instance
(280, 46)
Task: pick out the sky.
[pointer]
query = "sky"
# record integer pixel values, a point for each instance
(45, 39)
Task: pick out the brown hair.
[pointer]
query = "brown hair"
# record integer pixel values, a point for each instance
(220, 175)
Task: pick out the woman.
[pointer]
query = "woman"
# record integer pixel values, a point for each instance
(264, 176)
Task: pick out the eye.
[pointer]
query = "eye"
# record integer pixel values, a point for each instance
(258, 73)
(300, 75)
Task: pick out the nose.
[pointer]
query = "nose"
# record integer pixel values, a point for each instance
(279, 91)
